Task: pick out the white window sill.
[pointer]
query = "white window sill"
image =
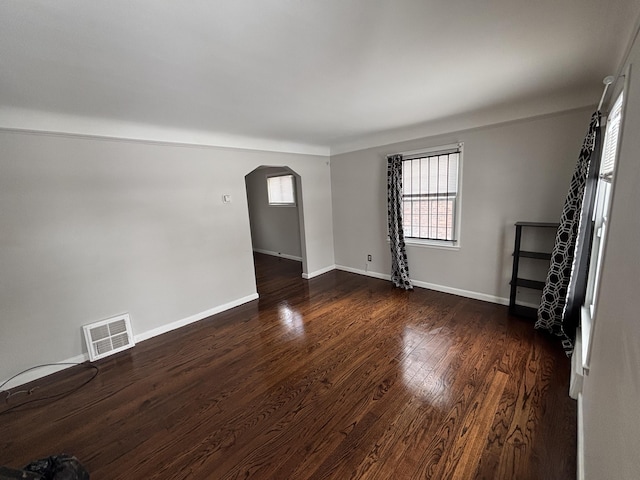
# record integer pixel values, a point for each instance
(418, 242)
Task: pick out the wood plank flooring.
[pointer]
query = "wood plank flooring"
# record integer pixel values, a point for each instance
(339, 377)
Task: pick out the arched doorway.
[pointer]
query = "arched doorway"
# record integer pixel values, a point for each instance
(276, 218)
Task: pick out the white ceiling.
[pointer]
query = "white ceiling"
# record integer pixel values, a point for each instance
(323, 73)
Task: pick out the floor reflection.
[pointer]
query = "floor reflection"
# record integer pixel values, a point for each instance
(424, 351)
(291, 320)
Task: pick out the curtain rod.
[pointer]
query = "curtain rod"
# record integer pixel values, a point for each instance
(452, 147)
(607, 81)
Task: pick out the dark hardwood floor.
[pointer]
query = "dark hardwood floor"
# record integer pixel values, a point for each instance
(340, 377)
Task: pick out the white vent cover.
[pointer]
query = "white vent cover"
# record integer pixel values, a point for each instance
(108, 336)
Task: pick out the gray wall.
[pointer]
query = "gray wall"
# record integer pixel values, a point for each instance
(273, 228)
(515, 171)
(611, 390)
(92, 228)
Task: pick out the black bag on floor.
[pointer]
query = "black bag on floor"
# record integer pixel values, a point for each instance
(58, 467)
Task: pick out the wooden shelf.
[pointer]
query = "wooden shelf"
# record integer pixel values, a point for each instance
(516, 281)
(536, 255)
(537, 224)
(526, 283)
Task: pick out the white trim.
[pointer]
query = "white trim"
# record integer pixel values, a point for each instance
(462, 293)
(44, 123)
(450, 148)
(194, 318)
(585, 337)
(589, 312)
(432, 286)
(308, 276)
(458, 224)
(44, 371)
(576, 378)
(580, 455)
(278, 254)
(50, 369)
(424, 243)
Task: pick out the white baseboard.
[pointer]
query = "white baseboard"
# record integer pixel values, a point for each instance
(462, 293)
(43, 371)
(194, 318)
(381, 276)
(278, 254)
(580, 459)
(432, 286)
(308, 276)
(48, 370)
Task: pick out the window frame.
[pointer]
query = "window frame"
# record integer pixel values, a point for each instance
(457, 211)
(600, 222)
(294, 202)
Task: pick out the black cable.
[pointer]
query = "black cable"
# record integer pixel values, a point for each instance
(49, 397)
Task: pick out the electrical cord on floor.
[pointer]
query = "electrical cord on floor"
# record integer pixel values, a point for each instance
(49, 397)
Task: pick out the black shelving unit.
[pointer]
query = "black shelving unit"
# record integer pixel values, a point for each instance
(516, 281)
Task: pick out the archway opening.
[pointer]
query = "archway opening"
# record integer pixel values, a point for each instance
(276, 218)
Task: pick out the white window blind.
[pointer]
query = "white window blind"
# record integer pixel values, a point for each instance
(611, 141)
(281, 190)
(430, 194)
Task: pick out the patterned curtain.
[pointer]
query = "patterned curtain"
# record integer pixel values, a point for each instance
(399, 265)
(552, 312)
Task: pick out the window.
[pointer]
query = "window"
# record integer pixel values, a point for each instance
(603, 198)
(600, 220)
(281, 190)
(430, 194)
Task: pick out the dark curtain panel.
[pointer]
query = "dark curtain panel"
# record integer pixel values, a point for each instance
(552, 315)
(578, 282)
(399, 265)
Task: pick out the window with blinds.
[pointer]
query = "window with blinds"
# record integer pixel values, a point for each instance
(430, 195)
(600, 222)
(281, 190)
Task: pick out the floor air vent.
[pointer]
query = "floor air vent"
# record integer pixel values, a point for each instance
(108, 336)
